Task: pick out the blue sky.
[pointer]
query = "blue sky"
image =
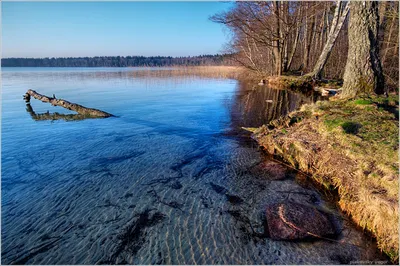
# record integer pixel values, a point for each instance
(68, 29)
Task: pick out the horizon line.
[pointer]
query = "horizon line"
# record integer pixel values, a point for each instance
(218, 54)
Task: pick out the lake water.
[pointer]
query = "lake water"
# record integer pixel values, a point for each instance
(172, 179)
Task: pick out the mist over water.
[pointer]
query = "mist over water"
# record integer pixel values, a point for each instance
(172, 179)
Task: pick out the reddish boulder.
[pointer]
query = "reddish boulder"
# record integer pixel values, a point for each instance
(289, 221)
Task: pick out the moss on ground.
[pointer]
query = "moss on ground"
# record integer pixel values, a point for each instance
(353, 146)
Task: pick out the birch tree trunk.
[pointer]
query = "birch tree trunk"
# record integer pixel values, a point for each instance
(363, 72)
(339, 18)
(309, 35)
(277, 50)
(305, 38)
(283, 32)
(296, 39)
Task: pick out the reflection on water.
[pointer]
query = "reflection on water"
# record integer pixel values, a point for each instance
(165, 182)
(256, 105)
(55, 116)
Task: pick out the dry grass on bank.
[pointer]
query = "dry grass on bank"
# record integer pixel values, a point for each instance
(230, 72)
(351, 146)
(303, 83)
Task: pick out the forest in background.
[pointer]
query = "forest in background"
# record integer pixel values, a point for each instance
(119, 61)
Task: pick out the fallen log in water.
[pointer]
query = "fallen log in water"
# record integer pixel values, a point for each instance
(89, 112)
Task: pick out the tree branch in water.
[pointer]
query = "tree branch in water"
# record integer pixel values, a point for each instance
(84, 111)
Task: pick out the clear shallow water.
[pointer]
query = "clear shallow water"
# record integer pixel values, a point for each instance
(170, 180)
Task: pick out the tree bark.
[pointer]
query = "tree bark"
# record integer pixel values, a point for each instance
(322, 28)
(88, 112)
(337, 23)
(305, 39)
(276, 42)
(363, 72)
(309, 37)
(284, 37)
(293, 51)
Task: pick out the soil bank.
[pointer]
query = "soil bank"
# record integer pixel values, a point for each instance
(352, 147)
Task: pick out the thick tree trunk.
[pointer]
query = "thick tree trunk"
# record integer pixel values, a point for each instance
(89, 112)
(337, 23)
(363, 72)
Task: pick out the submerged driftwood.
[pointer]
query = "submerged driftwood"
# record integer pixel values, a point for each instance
(82, 110)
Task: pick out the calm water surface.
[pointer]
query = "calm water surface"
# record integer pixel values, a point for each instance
(169, 180)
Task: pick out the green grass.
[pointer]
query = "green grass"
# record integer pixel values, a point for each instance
(363, 101)
(369, 119)
(332, 123)
(349, 127)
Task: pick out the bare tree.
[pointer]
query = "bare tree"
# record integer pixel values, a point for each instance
(279, 37)
(268, 27)
(341, 11)
(389, 42)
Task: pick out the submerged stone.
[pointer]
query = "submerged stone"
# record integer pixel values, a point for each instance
(270, 170)
(290, 221)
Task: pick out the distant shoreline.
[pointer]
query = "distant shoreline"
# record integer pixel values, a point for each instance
(120, 61)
